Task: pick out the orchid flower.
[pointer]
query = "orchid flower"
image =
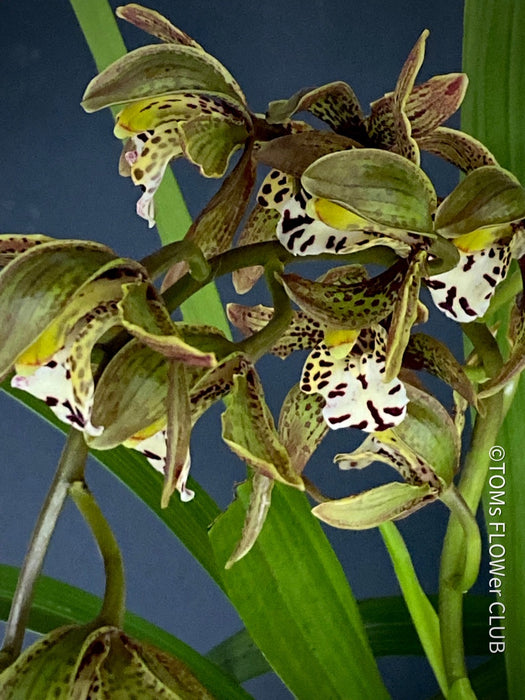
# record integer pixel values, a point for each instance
(179, 101)
(484, 219)
(424, 449)
(71, 294)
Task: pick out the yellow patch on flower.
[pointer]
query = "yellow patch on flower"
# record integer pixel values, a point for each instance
(340, 341)
(482, 238)
(335, 215)
(146, 433)
(44, 347)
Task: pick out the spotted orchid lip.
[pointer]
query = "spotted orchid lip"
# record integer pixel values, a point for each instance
(464, 293)
(355, 393)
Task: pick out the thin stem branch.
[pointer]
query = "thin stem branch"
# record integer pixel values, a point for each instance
(70, 468)
(113, 605)
(260, 254)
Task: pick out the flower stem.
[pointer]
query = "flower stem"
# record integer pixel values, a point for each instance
(468, 569)
(455, 556)
(70, 468)
(113, 605)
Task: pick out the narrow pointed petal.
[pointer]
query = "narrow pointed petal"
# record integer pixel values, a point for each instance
(516, 360)
(144, 315)
(248, 429)
(160, 69)
(371, 508)
(350, 306)
(335, 103)
(303, 332)
(301, 426)
(405, 144)
(464, 293)
(214, 384)
(382, 187)
(155, 24)
(261, 226)
(458, 148)
(214, 229)
(258, 507)
(404, 315)
(425, 353)
(429, 105)
(178, 430)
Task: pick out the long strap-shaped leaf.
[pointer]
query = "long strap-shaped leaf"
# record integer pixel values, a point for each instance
(294, 599)
(100, 29)
(494, 59)
(290, 590)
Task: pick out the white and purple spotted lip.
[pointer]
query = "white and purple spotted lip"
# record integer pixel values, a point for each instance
(356, 395)
(464, 293)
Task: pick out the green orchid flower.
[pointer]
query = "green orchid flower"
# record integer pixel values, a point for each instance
(60, 303)
(81, 662)
(484, 219)
(178, 102)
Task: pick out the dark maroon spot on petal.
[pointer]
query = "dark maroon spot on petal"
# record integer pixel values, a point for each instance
(335, 420)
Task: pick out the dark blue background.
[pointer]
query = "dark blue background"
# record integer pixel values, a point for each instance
(59, 177)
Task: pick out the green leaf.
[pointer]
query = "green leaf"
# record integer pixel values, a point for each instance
(57, 604)
(487, 196)
(298, 584)
(159, 69)
(493, 112)
(36, 286)
(422, 612)
(382, 187)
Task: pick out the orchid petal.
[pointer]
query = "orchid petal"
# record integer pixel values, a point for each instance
(464, 293)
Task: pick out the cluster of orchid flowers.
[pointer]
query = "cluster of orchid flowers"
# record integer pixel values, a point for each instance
(88, 332)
